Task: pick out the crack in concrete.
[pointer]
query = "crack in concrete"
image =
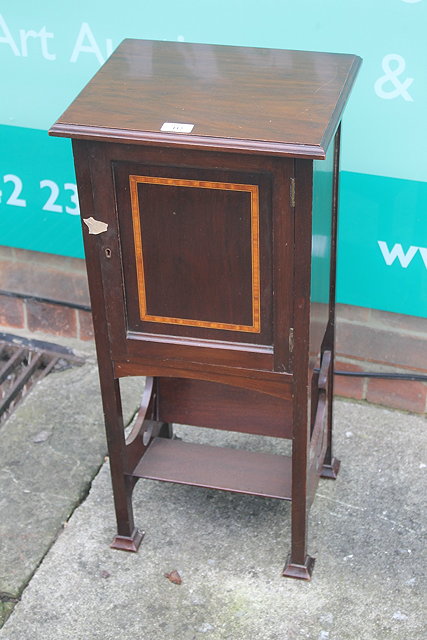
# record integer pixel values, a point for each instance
(7, 472)
(363, 509)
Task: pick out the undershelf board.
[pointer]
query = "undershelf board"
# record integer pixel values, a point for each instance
(261, 474)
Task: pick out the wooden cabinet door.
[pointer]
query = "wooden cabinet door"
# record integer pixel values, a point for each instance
(204, 246)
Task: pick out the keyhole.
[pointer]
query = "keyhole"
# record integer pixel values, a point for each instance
(108, 253)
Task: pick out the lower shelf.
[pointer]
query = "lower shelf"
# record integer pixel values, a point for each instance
(260, 474)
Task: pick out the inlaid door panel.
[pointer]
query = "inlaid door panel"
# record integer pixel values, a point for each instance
(197, 252)
(200, 256)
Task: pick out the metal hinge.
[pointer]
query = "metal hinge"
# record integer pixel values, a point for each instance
(291, 340)
(292, 192)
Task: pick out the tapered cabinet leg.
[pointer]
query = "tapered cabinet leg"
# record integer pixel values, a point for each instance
(331, 465)
(299, 564)
(128, 537)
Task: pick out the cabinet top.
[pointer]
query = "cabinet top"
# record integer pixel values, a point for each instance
(270, 101)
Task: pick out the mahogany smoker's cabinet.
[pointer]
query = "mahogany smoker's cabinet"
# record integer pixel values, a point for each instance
(208, 185)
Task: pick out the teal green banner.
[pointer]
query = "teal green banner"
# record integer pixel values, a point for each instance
(46, 60)
(382, 244)
(38, 197)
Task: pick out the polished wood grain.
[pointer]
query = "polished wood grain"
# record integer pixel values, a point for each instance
(270, 383)
(222, 406)
(238, 98)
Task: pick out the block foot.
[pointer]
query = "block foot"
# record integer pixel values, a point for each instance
(125, 543)
(299, 571)
(331, 470)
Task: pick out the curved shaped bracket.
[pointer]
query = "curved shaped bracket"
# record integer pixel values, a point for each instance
(145, 409)
(318, 439)
(324, 372)
(319, 436)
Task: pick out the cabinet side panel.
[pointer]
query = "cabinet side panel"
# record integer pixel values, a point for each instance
(321, 250)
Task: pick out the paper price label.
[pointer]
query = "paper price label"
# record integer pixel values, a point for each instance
(177, 127)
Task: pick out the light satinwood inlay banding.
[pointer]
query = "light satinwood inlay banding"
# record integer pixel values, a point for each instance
(134, 181)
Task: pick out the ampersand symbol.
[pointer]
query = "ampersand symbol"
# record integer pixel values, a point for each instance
(391, 75)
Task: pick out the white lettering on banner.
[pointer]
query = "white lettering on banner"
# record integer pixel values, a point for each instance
(86, 34)
(391, 76)
(30, 41)
(43, 35)
(14, 198)
(7, 37)
(50, 204)
(397, 252)
(24, 36)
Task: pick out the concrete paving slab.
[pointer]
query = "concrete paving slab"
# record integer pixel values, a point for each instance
(366, 530)
(51, 448)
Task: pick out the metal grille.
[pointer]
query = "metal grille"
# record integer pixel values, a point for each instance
(23, 363)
